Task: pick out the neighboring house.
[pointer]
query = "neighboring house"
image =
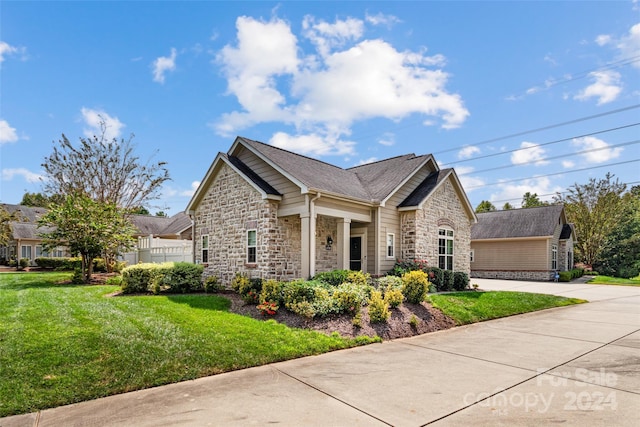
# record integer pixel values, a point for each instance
(270, 213)
(24, 241)
(160, 239)
(525, 244)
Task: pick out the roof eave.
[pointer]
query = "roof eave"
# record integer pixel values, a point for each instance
(428, 159)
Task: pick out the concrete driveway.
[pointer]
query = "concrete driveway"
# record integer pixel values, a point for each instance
(577, 365)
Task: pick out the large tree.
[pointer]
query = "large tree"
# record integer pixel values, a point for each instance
(88, 228)
(5, 225)
(485, 206)
(40, 199)
(108, 171)
(596, 209)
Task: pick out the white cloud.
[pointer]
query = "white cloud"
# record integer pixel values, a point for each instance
(469, 183)
(539, 186)
(94, 118)
(387, 139)
(382, 19)
(529, 152)
(192, 190)
(27, 175)
(320, 145)
(6, 50)
(163, 64)
(7, 133)
(366, 161)
(602, 153)
(606, 87)
(468, 151)
(568, 164)
(323, 94)
(627, 45)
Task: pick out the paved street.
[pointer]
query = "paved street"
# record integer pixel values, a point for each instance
(577, 365)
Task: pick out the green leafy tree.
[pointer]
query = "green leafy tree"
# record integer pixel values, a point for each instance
(140, 210)
(532, 200)
(620, 255)
(88, 228)
(161, 213)
(108, 171)
(40, 200)
(507, 206)
(596, 208)
(485, 206)
(5, 225)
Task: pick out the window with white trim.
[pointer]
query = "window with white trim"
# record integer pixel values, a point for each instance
(26, 252)
(445, 248)
(554, 257)
(252, 246)
(205, 248)
(391, 246)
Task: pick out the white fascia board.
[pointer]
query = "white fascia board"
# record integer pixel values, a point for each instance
(420, 166)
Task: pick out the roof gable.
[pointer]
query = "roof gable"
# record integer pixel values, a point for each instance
(518, 223)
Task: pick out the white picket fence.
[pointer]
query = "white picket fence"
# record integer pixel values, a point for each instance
(156, 250)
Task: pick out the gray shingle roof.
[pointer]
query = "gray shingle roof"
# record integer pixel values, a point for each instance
(425, 188)
(161, 225)
(531, 222)
(26, 213)
(254, 177)
(371, 182)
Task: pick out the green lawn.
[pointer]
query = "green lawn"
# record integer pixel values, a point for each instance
(471, 307)
(61, 344)
(608, 280)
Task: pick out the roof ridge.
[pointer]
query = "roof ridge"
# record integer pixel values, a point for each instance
(410, 155)
(292, 152)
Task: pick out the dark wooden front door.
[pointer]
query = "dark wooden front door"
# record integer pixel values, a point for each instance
(355, 251)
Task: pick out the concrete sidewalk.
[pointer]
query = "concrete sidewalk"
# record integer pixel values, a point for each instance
(577, 365)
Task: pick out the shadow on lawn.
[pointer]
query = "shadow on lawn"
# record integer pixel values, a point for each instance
(201, 301)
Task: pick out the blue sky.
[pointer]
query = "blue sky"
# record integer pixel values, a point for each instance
(344, 82)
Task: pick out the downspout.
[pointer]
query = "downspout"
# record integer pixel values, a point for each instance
(312, 235)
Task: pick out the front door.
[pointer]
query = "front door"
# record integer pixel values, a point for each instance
(355, 253)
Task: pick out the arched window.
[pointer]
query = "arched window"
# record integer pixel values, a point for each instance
(445, 248)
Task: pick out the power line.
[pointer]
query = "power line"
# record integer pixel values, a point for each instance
(552, 194)
(513, 135)
(608, 147)
(553, 174)
(542, 144)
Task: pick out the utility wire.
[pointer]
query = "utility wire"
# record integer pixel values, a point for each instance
(513, 135)
(553, 174)
(591, 150)
(552, 194)
(541, 145)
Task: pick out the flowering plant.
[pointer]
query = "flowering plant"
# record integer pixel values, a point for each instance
(268, 308)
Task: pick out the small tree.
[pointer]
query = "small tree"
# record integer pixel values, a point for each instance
(485, 206)
(532, 200)
(507, 206)
(106, 171)
(88, 228)
(5, 225)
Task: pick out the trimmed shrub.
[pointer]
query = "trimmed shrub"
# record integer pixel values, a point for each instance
(565, 276)
(378, 308)
(298, 291)
(628, 272)
(271, 292)
(350, 297)
(460, 281)
(387, 283)
(114, 281)
(184, 277)
(333, 278)
(167, 277)
(447, 283)
(436, 277)
(24, 263)
(323, 303)
(359, 278)
(211, 284)
(415, 286)
(394, 297)
(248, 289)
(404, 266)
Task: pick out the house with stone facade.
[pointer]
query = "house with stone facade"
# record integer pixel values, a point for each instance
(270, 213)
(522, 244)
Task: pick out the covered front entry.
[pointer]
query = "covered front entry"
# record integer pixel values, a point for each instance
(355, 253)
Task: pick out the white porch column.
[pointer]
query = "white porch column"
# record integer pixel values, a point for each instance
(343, 242)
(312, 245)
(305, 256)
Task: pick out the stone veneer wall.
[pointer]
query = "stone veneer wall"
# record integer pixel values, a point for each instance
(326, 260)
(420, 229)
(514, 275)
(232, 206)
